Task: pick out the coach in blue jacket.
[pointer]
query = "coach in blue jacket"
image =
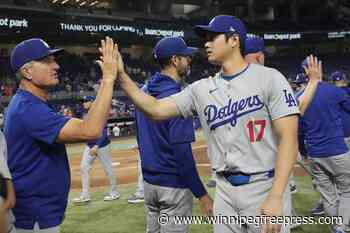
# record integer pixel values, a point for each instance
(168, 167)
(340, 80)
(329, 155)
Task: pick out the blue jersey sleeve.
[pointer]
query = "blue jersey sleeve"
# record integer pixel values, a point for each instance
(188, 170)
(343, 99)
(42, 122)
(181, 130)
(181, 134)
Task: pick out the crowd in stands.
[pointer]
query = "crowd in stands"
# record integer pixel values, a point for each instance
(291, 65)
(80, 74)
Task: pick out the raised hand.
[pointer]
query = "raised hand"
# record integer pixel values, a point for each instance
(314, 68)
(109, 59)
(121, 69)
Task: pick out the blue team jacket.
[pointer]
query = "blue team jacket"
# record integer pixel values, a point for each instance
(165, 146)
(322, 123)
(345, 115)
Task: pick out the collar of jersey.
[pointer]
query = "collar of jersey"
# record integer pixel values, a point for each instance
(29, 95)
(229, 78)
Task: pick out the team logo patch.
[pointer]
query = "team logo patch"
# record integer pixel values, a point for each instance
(230, 113)
(289, 99)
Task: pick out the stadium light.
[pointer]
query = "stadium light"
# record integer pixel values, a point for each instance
(94, 3)
(64, 1)
(54, 1)
(82, 3)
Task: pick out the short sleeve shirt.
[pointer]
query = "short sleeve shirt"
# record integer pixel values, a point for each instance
(237, 114)
(38, 165)
(4, 170)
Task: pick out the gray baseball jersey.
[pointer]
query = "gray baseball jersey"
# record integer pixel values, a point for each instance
(4, 170)
(237, 114)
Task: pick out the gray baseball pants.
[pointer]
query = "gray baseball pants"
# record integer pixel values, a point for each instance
(332, 179)
(103, 154)
(37, 229)
(140, 186)
(244, 200)
(170, 201)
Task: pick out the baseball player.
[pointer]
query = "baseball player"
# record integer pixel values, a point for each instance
(254, 50)
(328, 154)
(36, 133)
(301, 81)
(250, 118)
(101, 149)
(168, 168)
(139, 195)
(8, 200)
(339, 79)
(254, 53)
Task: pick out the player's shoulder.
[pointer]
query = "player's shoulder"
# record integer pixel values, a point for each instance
(205, 82)
(330, 86)
(24, 106)
(265, 76)
(264, 71)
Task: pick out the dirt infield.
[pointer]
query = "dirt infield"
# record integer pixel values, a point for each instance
(125, 166)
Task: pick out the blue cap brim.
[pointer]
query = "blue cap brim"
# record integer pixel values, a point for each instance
(55, 51)
(201, 30)
(189, 51)
(51, 52)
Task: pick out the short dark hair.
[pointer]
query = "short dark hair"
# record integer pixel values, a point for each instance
(164, 62)
(241, 42)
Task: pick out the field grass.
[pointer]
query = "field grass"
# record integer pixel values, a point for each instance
(121, 217)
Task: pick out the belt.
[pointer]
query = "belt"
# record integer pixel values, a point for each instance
(240, 178)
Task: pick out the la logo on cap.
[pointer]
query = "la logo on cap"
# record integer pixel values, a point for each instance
(232, 29)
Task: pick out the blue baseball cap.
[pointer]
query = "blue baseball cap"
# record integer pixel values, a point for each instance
(301, 78)
(170, 46)
(254, 44)
(338, 76)
(30, 50)
(223, 24)
(88, 98)
(302, 65)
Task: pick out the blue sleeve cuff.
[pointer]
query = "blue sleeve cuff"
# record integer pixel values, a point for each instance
(188, 170)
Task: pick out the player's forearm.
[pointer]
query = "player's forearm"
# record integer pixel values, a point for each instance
(306, 98)
(10, 197)
(98, 114)
(3, 222)
(146, 103)
(286, 158)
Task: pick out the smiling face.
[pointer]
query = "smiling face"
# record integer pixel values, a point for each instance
(219, 47)
(42, 73)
